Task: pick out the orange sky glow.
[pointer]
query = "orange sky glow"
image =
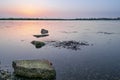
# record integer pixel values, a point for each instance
(29, 11)
(59, 8)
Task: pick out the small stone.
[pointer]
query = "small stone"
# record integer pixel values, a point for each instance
(44, 31)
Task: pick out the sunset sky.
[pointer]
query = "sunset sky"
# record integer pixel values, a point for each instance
(59, 8)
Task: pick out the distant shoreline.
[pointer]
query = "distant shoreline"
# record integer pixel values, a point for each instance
(60, 19)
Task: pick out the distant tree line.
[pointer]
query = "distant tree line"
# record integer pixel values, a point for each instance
(118, 18)
(60, 19)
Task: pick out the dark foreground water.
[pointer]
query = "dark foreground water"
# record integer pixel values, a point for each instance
(98, 61)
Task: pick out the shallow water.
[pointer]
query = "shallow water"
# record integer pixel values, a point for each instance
(98, 61)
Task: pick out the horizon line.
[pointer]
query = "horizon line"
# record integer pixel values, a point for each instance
(100, 18)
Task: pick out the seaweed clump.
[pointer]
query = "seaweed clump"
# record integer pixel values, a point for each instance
(74, 45)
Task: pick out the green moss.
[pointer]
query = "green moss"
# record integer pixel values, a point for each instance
(42, 64)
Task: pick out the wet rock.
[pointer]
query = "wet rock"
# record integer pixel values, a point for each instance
(44, 31)
(5, 75)
(38, 44)
(41, 69)
(42, 35)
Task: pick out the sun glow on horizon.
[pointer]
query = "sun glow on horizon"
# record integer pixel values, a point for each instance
(27, 11)
(59, 8)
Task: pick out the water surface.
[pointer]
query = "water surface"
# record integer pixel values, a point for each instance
(98, 61)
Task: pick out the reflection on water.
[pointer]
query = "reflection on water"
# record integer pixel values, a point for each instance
(97, 62)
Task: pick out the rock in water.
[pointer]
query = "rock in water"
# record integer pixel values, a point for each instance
(42, 35)
(38, 44)
(44, 31)
(42, 69)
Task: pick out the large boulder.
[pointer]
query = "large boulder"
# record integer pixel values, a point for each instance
(44, 31)
(42, 69)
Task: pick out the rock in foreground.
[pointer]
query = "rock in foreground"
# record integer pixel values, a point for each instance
(42, 69)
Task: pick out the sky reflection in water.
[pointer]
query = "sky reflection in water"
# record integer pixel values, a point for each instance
(100, 61)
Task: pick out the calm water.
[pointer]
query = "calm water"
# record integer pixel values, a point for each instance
(99, 61)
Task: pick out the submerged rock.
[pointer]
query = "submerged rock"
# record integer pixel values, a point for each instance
(38, 44)
(41, 35)
(41, 69)
(44, 31)
(106, 33)
(74, 45)
(5, 74)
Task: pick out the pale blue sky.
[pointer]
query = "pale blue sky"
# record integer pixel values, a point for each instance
(60, 8)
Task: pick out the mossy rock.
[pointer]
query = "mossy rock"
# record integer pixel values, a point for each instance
(41, 69)
(38, 44)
